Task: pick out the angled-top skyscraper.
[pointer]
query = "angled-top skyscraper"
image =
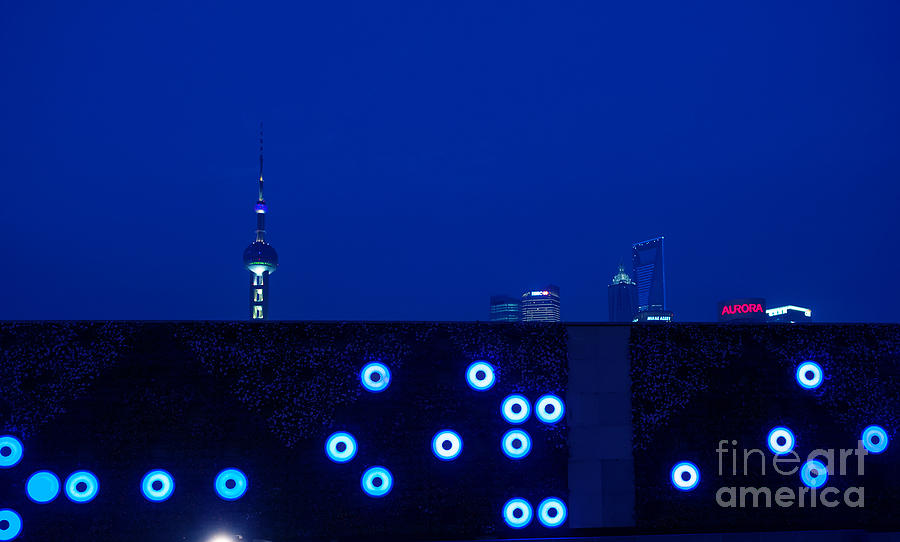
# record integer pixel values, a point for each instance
(649, 270)
(260, 257)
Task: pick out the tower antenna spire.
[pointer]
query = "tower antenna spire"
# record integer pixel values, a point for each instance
(260, 257)
(261, 161)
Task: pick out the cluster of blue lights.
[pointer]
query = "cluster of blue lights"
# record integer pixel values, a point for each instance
(375, 377)
(516, 409)
(517, 512)
(685, 476)
(158, 485)
(809, 375)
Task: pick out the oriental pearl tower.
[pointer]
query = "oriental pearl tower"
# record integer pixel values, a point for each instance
(260, 257)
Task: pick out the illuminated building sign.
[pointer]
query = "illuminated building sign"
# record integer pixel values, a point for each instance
(751, 309)
(654, 316)
(540, 292)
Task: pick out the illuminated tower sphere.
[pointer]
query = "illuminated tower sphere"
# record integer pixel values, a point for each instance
(260, 257)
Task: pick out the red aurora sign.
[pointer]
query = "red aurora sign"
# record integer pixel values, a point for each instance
(738, 309)
(743, 309)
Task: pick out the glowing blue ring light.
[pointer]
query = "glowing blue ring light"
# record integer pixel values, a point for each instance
(552, 512)
(515, 409)
(875, 439)
(781, 440)
(480, 376)
(517, 513)
(340, 447)
(809, 375)
(446, 445)
(82, 486)
(42, 487)
(231, 484)
(515, 444)
(377, 482)
(11, 450)
(549, 408)
(12, 522)
(813, 474)
(157, 485)
(375, 377)
(685, 476)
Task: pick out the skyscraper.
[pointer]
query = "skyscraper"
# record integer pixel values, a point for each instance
(505, 309)
(622, 297)
(541, 305)
(260, 257)
(650, 274)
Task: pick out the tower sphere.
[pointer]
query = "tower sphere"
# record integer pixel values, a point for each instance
(260, 257)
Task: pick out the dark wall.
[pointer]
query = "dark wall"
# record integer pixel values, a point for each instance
(601, 469)
(120, 399)
(695, 385)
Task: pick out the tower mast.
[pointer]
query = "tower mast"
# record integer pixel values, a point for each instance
(260, 257)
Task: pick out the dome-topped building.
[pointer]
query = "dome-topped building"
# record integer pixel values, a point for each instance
(260, 257)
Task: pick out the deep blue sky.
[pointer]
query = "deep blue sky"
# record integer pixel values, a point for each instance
(423, 156)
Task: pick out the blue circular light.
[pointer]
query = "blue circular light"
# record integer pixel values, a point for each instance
(10, 524)
(375, 377)
(231, 484)
(810, 375)
(11, 450)
(780, 440)
(813, 473)
(42, 487)
(552, 512)
(515, 409)
(517, 513)
(340, 447)
(377, 482)
(480, 376)
(549, 408)
(875, 439)
(685, 476)
(157, 485)
(446, 445)
(82, 486)
(516, 443)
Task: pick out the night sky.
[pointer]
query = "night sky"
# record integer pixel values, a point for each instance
(422, 157)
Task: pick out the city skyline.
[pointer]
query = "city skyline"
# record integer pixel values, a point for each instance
(529, 145)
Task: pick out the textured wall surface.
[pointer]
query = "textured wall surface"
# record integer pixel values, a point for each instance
(121, 398)
(695, 385)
